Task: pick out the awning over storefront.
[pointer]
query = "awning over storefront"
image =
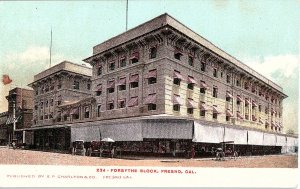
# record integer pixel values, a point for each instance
(118, 131)
(291, 141)
(269, 139)
(168, 129)
(207, 134)
(256, 138)
(238, 136)
(47, 127)
(177, 100)
(280, 140)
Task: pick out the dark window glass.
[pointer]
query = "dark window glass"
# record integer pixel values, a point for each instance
(152, 107)
(203, 66)
(215, 92)
(134, 60)
(122, 104)
(202, 113)
(122, 62)
(88, 86)
(176, 81)
(151, 80)
(228, 78)
(215, 115)
(76, 85)
(98, 110)
(176, 107)
(153, 52)
(215, 72)
(112, 66)
(122, 87)
(177, 56)
(99, 71)
(134, 84)
(191, 61)
(190, 110)
(111, 90)
(190, 86)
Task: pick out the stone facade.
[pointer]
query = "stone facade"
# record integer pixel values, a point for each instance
(181, 71)
(61, 84)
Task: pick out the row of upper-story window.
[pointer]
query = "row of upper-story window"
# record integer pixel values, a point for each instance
(177, 55)
(122, 83)
(216, 73)
(50, 87)
(123, 61)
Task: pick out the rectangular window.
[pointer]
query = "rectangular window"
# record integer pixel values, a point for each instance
(42, 105)
(259, 108)
(228, 78)
(35, 107)
(190, 110)
(86, 112)
(202, 113)
(153, 52)
(88, 86)
(176, 107)
(59, 102)
(190, 86)
(191, 61)
(36, 92)
(203, 66)
(51, 102)
(98, 93)
(110, 106)
(176, 81)
(151, 80)
(122, 62)
(76, 85)
(215, 115)
(111, 90)
(134, 84)
(227, 118)
(99, 70)
(121, 104)
(151, 107)
(215, 92)
(98, 110)
(215, 72)
(238, 83)
(46, 103)
(122, 87)
(59, 85)
(134, 58)
(177, 55)
(112, 66)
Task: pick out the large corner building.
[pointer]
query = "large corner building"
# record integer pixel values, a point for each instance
(161, 88)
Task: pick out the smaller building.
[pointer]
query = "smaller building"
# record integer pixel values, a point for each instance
(3, 128)
(22, 100)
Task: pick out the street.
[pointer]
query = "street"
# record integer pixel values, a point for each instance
(28, 157)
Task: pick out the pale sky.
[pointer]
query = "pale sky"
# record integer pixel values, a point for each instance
(262, 34)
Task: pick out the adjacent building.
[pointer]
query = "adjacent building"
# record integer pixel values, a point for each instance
(55, 88)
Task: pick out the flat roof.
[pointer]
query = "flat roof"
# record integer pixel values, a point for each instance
(66, 66)
(166, 20)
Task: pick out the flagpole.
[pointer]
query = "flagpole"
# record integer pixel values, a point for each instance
(126, 15)
(51, 48)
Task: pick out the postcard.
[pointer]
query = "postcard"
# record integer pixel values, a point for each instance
(149, 94)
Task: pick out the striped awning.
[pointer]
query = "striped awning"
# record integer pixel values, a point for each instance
(191, 103)
(204, 107)
(191, 80)
(150, 99)
(134, 78)
(239, 98)
(216, 110)
(151, 74)
(122, 81)
(203, 85)
(229, 113)
(74, 111)
(228, 94)
(135, 55)
(133, 102)
(177, 100)
(178, 75)
(111, 84)
(239, 115)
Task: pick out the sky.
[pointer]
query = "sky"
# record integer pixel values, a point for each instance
(263, 34)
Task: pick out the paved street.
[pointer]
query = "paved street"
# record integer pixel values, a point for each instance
(10, 156)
